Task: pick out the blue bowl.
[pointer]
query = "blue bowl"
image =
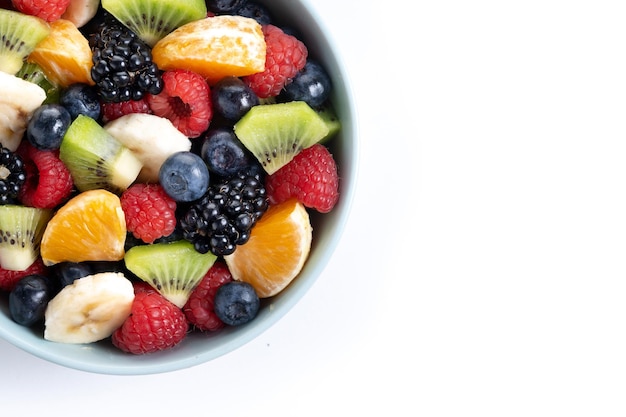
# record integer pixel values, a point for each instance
(198, 347)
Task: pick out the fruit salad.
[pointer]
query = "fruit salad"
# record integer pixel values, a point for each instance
(160, 165)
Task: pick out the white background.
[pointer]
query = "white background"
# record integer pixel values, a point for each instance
(482, 270)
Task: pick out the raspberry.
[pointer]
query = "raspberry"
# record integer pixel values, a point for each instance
(185, 101)
(285, 57)
(48, 10)
(48, 181)
(154, 324)
(150, 213)
(8, 279)
(199, 308)
(112, 111)
(311, 177)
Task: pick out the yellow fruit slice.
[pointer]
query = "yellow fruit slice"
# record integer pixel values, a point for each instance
(278, 247)
(89, 227)
(64, 55)
(214, 47)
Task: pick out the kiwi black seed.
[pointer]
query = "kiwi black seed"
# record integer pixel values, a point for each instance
(174, 269)
(96, 159)
(21, 229)
(275, 133)
(151, 20)
(19, 35)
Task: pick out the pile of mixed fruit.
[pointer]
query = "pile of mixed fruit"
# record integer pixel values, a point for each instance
(160, 160)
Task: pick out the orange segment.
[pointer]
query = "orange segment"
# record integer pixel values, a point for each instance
(278, 247)
(89, 227)
(64, 55)
(214, 47)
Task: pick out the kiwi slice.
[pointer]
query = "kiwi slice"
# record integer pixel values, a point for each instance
(328, 115)
(96, 159)
(19, 34)
(151, 20)
(21, 229)
(174, 269)
(275, 133)
(34, 73)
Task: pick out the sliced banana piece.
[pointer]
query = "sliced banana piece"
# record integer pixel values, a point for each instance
(18, 100)
(80, 12)
(90, 309)
(151, 138)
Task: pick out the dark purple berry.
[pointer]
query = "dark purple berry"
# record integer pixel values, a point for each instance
(81, 99)
(47, 126)
(232, 98)
(184, 176)
(29, 299)
(223, 153)
(236, 303)
(311, 85)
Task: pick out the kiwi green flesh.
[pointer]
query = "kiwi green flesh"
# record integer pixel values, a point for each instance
(33, 73)
(329, 117)
(21, 229)
(151, 20)
(275, 133)
(19, 35)
(174, 269)
(96, 159)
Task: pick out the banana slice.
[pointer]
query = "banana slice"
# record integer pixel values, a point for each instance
(90, 309)
(80, 12)
(18, 101)
(151, 138)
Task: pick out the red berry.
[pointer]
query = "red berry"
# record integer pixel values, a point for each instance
(112, 111)
(199, 307)
(8, 279)
(154, 324)
(185, 101)
(311, 177)
(150, 213)
(285, 57)
(48, 10)
(48, 181)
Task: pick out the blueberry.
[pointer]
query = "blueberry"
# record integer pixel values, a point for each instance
(311, 85)
(232, 98)
(236, 303)
(67, 272)
(184, 176)
(47, 126)
(29, 299)
(223, 153)
(81, 99)
(225, 6)
(256, 11)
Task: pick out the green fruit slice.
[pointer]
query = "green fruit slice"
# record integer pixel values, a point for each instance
(174, 269)
(21, 229)
(151, 20)
(96, 159)
(275, 133)
(20, 34)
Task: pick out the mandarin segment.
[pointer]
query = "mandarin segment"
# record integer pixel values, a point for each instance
(214, 47)
(64, 55)
(279, 246)
(89, 227)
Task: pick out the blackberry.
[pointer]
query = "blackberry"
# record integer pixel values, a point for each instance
(224, 216)
(12, 176)
(122, 69)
